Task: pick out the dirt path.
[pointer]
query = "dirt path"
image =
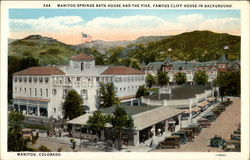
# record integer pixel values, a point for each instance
(226, 123)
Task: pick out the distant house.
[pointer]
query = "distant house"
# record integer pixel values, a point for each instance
(212, 68)
(41, 91)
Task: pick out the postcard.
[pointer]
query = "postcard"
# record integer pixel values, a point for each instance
(125, 80)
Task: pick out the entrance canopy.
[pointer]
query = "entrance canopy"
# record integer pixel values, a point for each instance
(81, 119)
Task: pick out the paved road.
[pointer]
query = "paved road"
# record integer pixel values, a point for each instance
(226, 123)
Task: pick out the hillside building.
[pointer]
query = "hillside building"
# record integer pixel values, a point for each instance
(41, 91)
(212, 68)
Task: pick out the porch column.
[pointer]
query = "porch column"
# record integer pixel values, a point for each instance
(136, 137)
(153, 128)
(38, 111)
(131, 102)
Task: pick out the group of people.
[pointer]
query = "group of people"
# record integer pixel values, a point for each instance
(55, 132)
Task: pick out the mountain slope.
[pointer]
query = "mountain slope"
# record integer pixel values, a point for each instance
(47, 50)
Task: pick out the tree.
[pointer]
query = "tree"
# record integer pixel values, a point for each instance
(162, 78)
(108, 95)
(228, 83)
(73, 105)
(180, 78)
(16, 142)
(120, 121)
(97, 121)
(150, 80)
(142, 91)
(200, 77)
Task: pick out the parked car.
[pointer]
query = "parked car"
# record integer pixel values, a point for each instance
(27, 133)
(232, 146)
(189, 133)
(210, 116)
(182, 135)
(170, 142)
(235, 136)
(204, 123)
(217, 141)
(196, 128)
(217, 111)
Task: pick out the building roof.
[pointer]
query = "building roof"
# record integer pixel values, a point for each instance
(40, 71)
(81, 119)
(184, 92)
(121, 70)
(82, 57)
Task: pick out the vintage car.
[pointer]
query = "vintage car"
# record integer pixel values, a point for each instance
(217, 141)
(232, 146)
(217, 111)
(27, 133)
(235, 136)
(204, 123)
(170, 142)
(189, 133)
(210, 116)
(227, 102)
(182, 135)
(195, 127)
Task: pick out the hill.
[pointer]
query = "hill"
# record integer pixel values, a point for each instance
(196, 45)
(46, 50)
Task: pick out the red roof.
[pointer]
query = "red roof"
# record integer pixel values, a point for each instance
(40, 71)
(82, 56)
(120, 70)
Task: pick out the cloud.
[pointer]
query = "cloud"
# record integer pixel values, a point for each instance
(68, 28)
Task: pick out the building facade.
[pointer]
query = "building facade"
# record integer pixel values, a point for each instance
(41, 91)
(212, 68)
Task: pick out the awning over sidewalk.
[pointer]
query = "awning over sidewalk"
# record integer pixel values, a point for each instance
(195, 109)
(211, 99)
(203, 104)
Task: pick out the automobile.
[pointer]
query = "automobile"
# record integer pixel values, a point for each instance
(237, 131)
(227, 102)
(27, 133)
(210, 116)
(235, 136)
(217, 111)
(232, 146)
(217, 141)
(185, 116)
(182, 135)
(189, 133)
(170, 142)
(196, 128)
(204, 123)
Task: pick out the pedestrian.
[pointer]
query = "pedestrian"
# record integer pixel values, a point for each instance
(143, 138)
(113, 139)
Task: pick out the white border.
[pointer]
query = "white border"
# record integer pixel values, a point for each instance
(242, 5)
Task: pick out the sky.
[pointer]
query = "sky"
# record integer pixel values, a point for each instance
(66, 25)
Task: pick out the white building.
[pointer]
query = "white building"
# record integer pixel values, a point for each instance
(40, 91)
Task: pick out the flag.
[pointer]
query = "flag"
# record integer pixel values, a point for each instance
(86, 38)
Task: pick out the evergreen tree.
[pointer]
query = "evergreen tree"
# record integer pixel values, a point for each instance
(120, 121)
(108, 95)
(162, 78)
(142, 91)
(180, 78)
(150, 80)
(200, 77)
(73, 105)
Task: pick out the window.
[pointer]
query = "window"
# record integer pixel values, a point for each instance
(15, 89)
(84, 94)
(30, 79)
(124, 88)
(30, 91)
(128, 88)
(89, 79)
(46, 79)
(97, 79)
(20, 89)
(128, 79)
(116, 89)
(47, 93)
(20, 79)
(120, 89)
(24, 90)
(41, 79)
(35, 79)
(15, 79)
(41, 92)
(132, 88)
(54, 91)
(54, 110)
(78, 78)
(124, 79)
(35, 92)
(25, 79)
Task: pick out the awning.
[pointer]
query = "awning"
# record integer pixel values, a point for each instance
(203, 104)
(33, 99)
(196, 109)
(211, 99)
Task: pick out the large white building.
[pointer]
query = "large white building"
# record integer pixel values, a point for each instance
(41, 91)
